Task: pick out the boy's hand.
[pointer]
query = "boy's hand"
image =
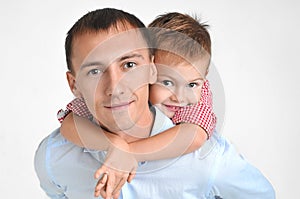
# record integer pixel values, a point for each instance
(119, 167)
(111, 182)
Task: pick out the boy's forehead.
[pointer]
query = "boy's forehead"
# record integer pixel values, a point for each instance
(164, 60)
(174, 59)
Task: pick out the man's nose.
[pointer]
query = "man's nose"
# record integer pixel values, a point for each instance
(114, 85)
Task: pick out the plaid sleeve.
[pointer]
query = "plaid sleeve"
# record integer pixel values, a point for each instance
(76, 106)
(200, 114)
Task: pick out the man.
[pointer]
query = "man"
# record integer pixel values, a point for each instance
(111, 68)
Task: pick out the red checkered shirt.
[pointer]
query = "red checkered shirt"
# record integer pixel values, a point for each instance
(200, 114)
(76, 106)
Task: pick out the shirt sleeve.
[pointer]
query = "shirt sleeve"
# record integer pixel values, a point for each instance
(237, 178)
(77, 106)
(200, 113)
(53, 190)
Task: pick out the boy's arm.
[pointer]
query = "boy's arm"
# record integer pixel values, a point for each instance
(83, 133)
(176, 141)
(78, 129)
(180, 139)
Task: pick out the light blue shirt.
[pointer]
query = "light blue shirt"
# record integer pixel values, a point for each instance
(214, 171)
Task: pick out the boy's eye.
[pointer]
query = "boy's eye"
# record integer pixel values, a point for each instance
(94, 72)
(167, 83)
(129, 65)
(192, 85)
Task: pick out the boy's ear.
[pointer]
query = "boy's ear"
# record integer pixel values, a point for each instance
(72, 84)
(152, 72)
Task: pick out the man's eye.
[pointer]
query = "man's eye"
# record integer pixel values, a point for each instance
(129, 65)
(192, 85)
(167, 83)
(94, 72)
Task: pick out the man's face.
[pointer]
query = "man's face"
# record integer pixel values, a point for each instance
(113, 71)
(178, 84)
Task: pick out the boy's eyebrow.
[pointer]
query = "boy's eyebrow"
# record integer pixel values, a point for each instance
(199, 78)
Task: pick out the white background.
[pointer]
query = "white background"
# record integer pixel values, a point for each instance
(255, 50)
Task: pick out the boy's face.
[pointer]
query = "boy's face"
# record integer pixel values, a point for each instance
(178, 84)
(112, 75)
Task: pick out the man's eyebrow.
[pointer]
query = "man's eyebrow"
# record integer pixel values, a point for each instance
(89, 64)
(132, 55)
(122, 58)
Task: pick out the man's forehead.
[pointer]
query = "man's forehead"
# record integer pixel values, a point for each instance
(116, 46)
(106, 46)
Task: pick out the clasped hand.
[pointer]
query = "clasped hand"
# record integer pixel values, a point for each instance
(119, 166)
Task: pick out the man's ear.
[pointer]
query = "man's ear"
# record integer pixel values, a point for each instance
(152, 72)
(206, 72)
(72, 84)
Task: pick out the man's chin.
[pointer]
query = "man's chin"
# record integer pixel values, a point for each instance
(118, 124)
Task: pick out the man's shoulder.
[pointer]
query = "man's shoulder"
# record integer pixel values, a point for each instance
(53, 143)
(53, 138)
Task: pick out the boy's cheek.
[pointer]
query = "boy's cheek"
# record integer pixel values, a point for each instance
(158, 94)
(193, 97)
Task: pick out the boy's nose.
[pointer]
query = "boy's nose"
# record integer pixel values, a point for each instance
(178, 96)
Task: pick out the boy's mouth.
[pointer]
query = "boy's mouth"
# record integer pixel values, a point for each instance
(172, 108)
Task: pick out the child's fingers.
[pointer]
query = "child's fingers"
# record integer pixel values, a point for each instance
(103, 193)
(119, 186)
(97, 193)
(116, 195)
(99, 172)
(110, 186)
(131, 176)
(100, 184)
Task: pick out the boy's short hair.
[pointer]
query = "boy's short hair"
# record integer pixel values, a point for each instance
(181, 33)
(102, 20)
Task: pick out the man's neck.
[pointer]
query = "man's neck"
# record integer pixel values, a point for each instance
(141, 130)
